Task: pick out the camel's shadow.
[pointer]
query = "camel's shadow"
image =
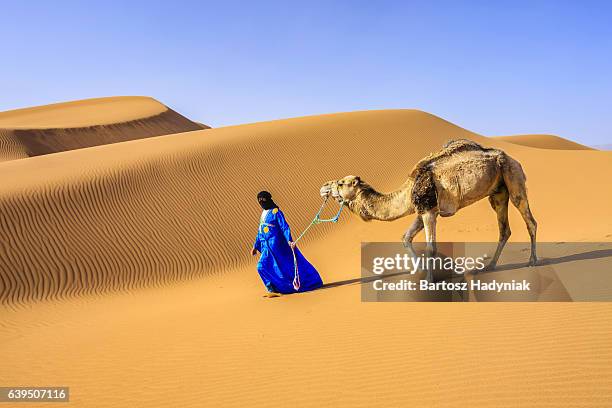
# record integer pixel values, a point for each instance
(582, 256)
(602, 253)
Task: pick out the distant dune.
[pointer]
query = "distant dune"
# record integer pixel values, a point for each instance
(603, 147)
(544, 142)
(91, 122)
(84, 232)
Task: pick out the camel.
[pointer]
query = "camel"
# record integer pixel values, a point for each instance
(458, 175)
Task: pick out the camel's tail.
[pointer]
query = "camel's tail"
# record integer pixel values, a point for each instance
(514, 177)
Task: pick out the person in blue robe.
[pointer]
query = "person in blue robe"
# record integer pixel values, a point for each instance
(276, 265)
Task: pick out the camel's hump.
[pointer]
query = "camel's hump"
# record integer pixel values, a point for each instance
(451, 147)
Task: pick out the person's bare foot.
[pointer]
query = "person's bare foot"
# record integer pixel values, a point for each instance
(272, 295)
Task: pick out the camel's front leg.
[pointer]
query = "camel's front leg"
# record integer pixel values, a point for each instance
(415, 228)
(429, 222)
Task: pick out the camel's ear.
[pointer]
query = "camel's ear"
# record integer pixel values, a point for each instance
(356, 181)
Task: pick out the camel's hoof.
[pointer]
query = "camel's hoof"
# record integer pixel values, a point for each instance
(490, 267)
(429, 277)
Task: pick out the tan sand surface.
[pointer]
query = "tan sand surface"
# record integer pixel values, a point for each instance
(544, 142)
(125, 275)
(91, 122)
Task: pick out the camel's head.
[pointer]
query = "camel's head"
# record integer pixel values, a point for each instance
(344, 189)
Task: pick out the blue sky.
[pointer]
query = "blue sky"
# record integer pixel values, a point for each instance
(494, 67)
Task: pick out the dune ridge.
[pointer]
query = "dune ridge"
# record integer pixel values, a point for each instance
(163, 209)
(74, 125)
(544, 142)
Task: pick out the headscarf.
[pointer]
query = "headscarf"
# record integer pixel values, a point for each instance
(265, 200)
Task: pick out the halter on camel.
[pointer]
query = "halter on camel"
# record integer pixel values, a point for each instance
(316, 220)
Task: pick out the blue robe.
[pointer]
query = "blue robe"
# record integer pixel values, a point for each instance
(276, 266)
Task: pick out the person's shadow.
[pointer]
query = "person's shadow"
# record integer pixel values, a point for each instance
(601, 253)
(360, 281)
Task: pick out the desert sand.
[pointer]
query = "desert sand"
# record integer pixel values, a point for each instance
(125, 272)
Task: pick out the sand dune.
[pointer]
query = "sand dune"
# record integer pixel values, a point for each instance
(544, 142)
(151, 211)
(91, 122)
(603, 147)
(82, 230)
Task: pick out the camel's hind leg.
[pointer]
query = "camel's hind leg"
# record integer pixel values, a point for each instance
(523, 206)
(514, 177)
(499, 202)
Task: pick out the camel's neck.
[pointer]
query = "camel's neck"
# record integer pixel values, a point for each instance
(372, 205)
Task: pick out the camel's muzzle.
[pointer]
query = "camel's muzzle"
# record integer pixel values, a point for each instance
(329, 188)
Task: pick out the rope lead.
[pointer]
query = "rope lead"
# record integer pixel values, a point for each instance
(316, 220)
